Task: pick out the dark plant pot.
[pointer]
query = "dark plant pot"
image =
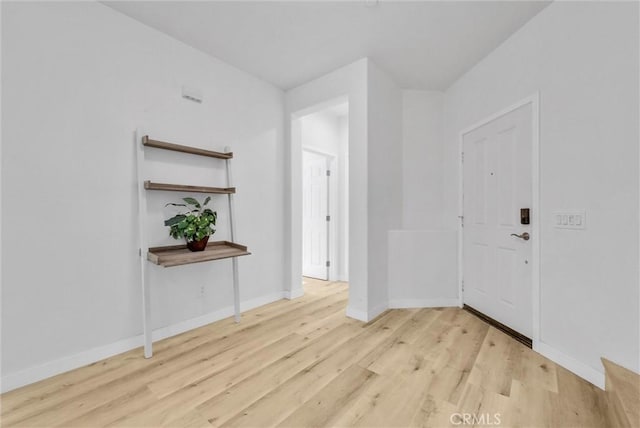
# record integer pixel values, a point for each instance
(198, 245)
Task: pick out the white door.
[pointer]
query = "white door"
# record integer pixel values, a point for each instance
(315, 209)
(497, 184)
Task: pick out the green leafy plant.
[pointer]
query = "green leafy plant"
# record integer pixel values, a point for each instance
(195, 224)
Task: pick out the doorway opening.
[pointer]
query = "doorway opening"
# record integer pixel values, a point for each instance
(324, 138)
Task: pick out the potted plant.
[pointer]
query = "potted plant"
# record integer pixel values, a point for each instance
(195, 225)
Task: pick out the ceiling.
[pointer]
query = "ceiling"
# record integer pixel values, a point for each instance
(422, 44)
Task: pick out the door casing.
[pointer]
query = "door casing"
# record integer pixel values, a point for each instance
(534, 100)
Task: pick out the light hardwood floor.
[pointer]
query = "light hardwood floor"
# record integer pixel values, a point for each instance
(302, 363)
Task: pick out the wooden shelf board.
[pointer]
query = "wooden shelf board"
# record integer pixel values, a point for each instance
(177, 255)
(150, 185)
(146, 141)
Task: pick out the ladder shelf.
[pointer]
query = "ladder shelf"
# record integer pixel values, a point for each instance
(177, 255)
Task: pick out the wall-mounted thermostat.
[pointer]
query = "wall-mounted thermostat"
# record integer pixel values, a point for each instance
(569, 219)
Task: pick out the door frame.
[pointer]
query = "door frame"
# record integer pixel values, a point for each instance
(534, 100)
(332, 203)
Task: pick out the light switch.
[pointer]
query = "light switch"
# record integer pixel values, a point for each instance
(569, 219)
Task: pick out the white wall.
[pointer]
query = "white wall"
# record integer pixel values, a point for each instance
(326, 133)
(375, 175)
(422, 268)
(350, 83)
(422, 255)
(77, 79)
(422, 152)
(583, 58)
(320, 132)
(385, 179)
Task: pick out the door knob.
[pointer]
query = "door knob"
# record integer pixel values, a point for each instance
(524, 236)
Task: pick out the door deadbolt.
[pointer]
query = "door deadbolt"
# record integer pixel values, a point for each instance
(524, 236)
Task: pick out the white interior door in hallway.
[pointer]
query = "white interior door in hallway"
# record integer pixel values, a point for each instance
(315, 211)
(497, 184)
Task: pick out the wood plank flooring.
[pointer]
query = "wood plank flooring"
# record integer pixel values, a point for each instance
(302, 363)
(623, 394)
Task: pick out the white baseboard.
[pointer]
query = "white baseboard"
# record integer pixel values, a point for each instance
(357, 314)
(365, 316)
(424, 303)
(34, 374)
(579, 368)
(52, 368)
(377, 311)
(247, 305)
(293, 294)
(190, 324)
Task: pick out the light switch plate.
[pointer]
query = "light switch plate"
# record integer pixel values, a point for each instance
(570, 219)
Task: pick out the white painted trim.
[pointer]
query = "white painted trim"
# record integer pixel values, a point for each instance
(33, 374)
(183, 326)
(293, 202)
(531, 99)
(293, 294)
(577, 367)
(306, 148)
(336, 220)
(357, 314)
(295, 109)
(535, 220)
(460, 219)
(365, 316)
(377, 310)
(424, 303)
(534, 100)
(1, 238)
(323, 105)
